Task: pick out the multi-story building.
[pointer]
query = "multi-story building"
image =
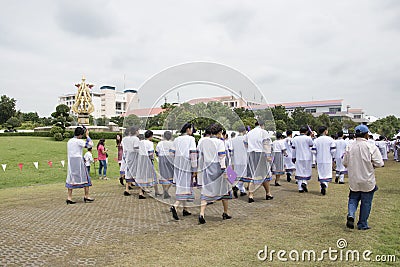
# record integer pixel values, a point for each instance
(107, 103)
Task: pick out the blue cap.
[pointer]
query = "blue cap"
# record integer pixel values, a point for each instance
(362, 129)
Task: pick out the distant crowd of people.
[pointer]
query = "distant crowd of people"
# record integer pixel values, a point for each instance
(251, 157)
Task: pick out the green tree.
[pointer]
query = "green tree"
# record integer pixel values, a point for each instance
(131, 120)
(13, 122)
(302, 118)
(7, 108)
(61, 116)
(388, 126)
(30, 116)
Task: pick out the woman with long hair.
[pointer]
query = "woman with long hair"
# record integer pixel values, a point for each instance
(102, 156)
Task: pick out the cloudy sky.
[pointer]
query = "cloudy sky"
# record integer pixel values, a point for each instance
(293, 50)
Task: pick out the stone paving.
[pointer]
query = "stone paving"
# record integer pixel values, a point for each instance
(43, 231)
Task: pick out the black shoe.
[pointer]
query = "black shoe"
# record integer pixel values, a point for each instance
(210, 203)
(288, 178)
(336, 180)
(142, 197)
(70, 202)
(226, 216)
(341, 182)
(365, 228)
(166, 195)
(301, 191)
(243, 194)
(350, 222)
(127, 193)
(251, 200)
(235, 191)
(267, 197)
(323, 189)
(202, 220)
(304, 186)
(88, 199)
(130, 187)
(121, 180)
(174, 213)
(277, 184)
(186, 213)
(158, 194)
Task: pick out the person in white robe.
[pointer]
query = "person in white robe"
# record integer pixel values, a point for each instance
(278, 153)
(381, 144)
(324, 148)
(340, 169)
(78, 176)
(165, 163)
(185, 166)
(259, 160)
(130, 144)
(290, 167)
(146, 174)
(215, 183)
(238, 153)
(302, 156)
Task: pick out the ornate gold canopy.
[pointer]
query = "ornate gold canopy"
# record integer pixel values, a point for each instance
(83, 102)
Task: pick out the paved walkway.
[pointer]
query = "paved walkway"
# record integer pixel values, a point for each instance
(37, 228)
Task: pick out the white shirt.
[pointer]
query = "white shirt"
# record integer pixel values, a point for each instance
(340, 148)
(256, 138)
(130, 143)
(211, 149)
(163, 148)
(239, 150)
(88, 158)
(302, 146)
(278, 146)
(75, 147)
(325, 148)
(360, 161)
(288, 145)
(146, 147)
(183, 145)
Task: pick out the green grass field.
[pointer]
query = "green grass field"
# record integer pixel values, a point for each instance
(290, 221)
(27, 150)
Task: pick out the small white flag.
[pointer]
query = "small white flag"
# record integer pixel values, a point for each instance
(4, 166)
(36, 165)
(63, 163)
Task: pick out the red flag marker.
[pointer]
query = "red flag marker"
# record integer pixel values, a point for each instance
(50, 163)
(20, 165)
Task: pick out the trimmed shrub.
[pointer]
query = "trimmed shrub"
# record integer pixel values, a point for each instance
(56, 129)
(67, 135)
(58, 137)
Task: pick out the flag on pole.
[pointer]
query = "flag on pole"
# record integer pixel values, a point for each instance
(63, 163)
(4, 166)
(50, 163)
(36, 165)
(20, 165)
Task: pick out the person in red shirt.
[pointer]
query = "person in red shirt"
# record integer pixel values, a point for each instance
(102, 156)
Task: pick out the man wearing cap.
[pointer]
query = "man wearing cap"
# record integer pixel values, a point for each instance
(360, 160)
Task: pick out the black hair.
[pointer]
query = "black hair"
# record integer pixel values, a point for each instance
(89, 149)
(120, 139)
(303, 129)
(167, 135)
(351, 136)
(358, 134)
(322, 129)
(278, 135)
(79, 131)
(207, 131)
(148, 134)
(340, 134)
(101, 142)
(381, 138)
(259, 123)
(216, 128)
(187, 126)
(233, 134)
(141, 136)
(289, 132)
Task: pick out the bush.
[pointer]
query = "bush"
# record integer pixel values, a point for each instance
(56, 129)
(58, 137)
(38, 134)
(67, 135)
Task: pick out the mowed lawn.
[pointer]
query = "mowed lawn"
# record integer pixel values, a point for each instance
(291, 221)
(26, 150)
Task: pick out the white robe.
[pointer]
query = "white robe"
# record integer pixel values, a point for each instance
(340, 150)
(145, 174)
(289, 165)
(325, 148)
(302, 146)
(77, 176)
(239, 155)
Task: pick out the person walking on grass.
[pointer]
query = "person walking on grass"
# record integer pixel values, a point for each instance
(78, 176)
(324, 148)
(165, 163)
(290, 167)
(118, 140)
(303, 158)
(88, 157)
(102, 156)
(215, 183)
(361, 159)
(278, 152)
(341, 170)
(130, 145)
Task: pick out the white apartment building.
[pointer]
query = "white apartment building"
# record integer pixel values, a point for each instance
(107, 103)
